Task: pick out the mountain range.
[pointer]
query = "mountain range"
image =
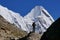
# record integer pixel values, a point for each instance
(38, 15)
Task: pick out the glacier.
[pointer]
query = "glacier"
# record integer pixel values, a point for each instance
(38, 15)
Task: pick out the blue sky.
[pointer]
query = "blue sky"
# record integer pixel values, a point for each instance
(25, 6)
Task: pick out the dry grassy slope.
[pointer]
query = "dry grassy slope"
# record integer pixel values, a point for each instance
(8, 30)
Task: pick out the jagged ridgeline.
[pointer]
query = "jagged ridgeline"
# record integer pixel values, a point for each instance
(8, 31)
(38, 15)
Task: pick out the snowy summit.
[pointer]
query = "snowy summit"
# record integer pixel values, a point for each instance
(38, 15)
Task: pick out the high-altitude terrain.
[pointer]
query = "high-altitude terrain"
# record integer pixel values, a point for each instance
(14, 26)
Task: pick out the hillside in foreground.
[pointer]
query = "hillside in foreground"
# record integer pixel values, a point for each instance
(8, 30)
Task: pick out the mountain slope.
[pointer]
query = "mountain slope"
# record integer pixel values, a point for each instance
(8, 30)
(41, 18)
(13, 18)
(38, 15)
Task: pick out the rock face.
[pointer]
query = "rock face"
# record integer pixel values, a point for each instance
(34, 36)
(31, 36)
(53, 32)
(9, 31)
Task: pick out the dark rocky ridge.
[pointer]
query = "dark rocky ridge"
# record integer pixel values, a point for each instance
(53, 32)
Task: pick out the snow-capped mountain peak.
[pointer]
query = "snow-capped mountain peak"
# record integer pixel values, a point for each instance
(41, 17)
(38, 15)
(12, 17)
(34, 12)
